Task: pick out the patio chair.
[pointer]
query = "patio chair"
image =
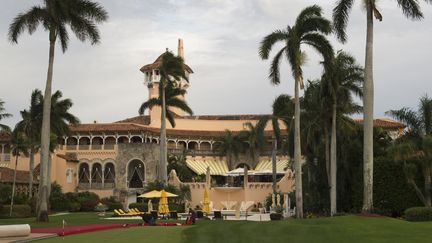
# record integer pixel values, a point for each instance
(200, 214)
(118, 213)
(154, 214)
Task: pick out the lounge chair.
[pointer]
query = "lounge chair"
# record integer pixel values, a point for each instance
(118, 213)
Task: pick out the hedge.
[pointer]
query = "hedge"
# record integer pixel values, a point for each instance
(418, 214)
(19, 211)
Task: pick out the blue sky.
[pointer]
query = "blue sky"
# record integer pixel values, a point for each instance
(221, 45)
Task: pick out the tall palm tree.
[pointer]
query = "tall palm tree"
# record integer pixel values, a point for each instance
(411, 9)
(229, 145)
(309, 29)
(3, 115)
(414, 149)
(30, 125)
(254, 139)
(342, 78)
(282, 111)
(55, 15)
(19, 146)
(172, 71)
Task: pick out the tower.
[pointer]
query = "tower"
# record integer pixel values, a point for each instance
(152, 79)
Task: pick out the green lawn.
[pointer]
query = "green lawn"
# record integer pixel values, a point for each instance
(349, 229)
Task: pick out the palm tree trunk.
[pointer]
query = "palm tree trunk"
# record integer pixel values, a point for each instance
(13, 185)
(49, 177)
(333, 164)
(42, 214)
(327, 153)
(163, 150)
(297, 152)
(368, 100)
(31, 169)
(427, 186)
(274, 150)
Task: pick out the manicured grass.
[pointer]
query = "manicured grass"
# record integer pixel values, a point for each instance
(349, 229)
(71, 219)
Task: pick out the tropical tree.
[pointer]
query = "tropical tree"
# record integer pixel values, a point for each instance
(414, 149)
(19, 146)
(229, 145)
(254, 138)
(411, 9)
(30, 125)
(282, 111)
(3, 115)
(55, 15)
(309, 29)
(342, 78)
(172, 71)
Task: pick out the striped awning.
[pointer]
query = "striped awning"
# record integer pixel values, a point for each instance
(266, 165)
(217, 167)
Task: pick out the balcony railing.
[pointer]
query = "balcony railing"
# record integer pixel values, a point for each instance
(96, 185)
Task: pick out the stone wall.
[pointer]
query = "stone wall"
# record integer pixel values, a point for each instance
(148, 153)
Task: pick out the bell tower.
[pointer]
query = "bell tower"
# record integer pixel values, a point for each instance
(152, 80)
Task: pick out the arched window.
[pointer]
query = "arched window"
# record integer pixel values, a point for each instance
(96, 176)
(84, 174)
(136, 174)
(136, 139)
(242, 165)
(109, 175)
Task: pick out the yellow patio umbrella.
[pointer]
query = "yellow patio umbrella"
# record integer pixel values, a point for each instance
(163, 203)
(206, 202)
(157, 194)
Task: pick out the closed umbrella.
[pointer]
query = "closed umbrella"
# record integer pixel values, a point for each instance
(163, 203)
(206, 202)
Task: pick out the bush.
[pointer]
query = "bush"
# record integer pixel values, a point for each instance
(141, 206)
(418, 214)
(89, 205)
(111, 203)
(58, 200)
(74, 207)
(86, 200)
(5, 193)
(275, 216)
(19, 211)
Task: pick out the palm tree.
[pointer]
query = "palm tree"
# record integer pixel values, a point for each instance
(254, 139)
(3, 115)
(342, 78)
(414, 149)
(411, 9)
(282, 111)
(55, 15)
(229, 145)
(172, 70)
(30, 126)
(19, 146)
(309, 29)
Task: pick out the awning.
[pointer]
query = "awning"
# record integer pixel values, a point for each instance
(266, 165)
(217, 167)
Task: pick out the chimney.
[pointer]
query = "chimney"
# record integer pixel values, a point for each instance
(180, 51)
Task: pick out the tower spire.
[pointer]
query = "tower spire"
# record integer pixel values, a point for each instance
(180, 49)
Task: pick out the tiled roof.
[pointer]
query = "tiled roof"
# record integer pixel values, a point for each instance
(157, 63)
(4, 137)
(384, 123)
(143, 120)
(6, 176)
(224, 117)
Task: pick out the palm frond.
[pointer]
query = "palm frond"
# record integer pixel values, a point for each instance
(269, 41)
(411, 8)
(274, 68)
(340, 18)
(149, 105)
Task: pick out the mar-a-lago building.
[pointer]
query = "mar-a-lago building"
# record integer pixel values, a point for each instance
(119, 158)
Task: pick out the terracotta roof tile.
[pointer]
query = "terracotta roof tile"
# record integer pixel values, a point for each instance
(6, 176)
(384, 123)
(157, 63)
(4, 137)
(143, 120)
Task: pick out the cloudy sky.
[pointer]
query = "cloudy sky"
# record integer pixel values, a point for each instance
(221, 45)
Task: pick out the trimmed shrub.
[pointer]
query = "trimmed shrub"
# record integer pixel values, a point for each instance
(141, 206)
(111, 203)
(275, 216)
(74, 207)
(5, 193)
(418, 214)
(19, 211)
(58, 200)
